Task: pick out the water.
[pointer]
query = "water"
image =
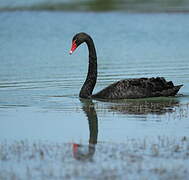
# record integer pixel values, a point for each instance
(40, 81)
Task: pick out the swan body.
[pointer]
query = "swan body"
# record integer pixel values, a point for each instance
(138, 88)
(123, 89)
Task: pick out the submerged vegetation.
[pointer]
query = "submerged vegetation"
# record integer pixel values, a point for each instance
(157, 158)
(106, 5)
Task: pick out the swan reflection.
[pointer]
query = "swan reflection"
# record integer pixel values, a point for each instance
(83, 152)
(136, 107)
(141, 107)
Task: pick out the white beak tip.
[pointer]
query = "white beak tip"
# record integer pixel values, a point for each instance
(71, 52)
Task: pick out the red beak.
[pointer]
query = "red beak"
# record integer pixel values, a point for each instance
(73, 48)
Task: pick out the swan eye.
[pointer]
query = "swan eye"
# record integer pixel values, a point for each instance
(74, 46)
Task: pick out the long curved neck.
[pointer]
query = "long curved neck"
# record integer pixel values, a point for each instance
(89, 84)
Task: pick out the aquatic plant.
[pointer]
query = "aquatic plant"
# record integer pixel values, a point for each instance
(157, 157)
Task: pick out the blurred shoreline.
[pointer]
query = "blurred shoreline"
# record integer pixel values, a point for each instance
(104, 6)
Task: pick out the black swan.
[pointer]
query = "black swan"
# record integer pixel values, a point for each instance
(123, 89)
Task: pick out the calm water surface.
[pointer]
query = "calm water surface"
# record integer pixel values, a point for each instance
(40, 81)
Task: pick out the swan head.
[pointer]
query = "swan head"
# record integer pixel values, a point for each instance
(77, 40)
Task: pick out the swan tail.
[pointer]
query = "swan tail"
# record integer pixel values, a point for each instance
(171, 92)
(177, 88)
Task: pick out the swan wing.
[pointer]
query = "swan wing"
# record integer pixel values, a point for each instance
(138, 88)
